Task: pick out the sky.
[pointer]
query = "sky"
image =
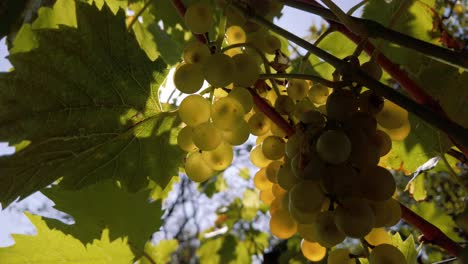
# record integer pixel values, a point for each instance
(12, 219)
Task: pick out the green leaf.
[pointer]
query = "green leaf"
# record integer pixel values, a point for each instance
(52, 246)
(87, 111)
(63, 13)
(437, 217)
(161, 252)
(417, 188)
(224, 249)
(406, 247)
(105, 205)
(251, 203)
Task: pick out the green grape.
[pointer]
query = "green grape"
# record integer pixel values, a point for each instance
(261, 181)
(220, 158)
(378, 236)
(247, 69)
(244, 97)
(340, 256)
(373, 69)
(303, 106)
(341, 181)
(226, 113)
(257, 158)
(278, 192)
(354, 217)
(266, 196)
(234, 17)
(277, 131)
(297, 165)
(194, 110)
(341, 104)
(284, 104)
(293, 145)
(312, 251)
(370, 102)
(387, 213)
(196, 168)
(184, 139)
(364, 121)
(235, 34)
(206, 136)
(377, 183)
(272, 44)
(363, 153)
(312, 118)
(199, 18)
(272, 170)
(306, 196)
(196, 53)
(282, 225)
(333, 146)
(383, 142)
(318, 94)
(297, 89)
(238, 135)
(307, 231)
(273, 147)
(188, 78)
(386, 254)
(259, 124)
(315, 169)
(219, 70)
(327, 233)
(285, 177)
(392, 116)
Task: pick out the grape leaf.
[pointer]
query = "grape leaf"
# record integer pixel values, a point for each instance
(406, 247)
(84, 106)
(161, 252)
(105, 205)
(223, 249)
(63, 13)
(52, 246)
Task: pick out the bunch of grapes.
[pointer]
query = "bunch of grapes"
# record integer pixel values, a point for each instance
(323, 182)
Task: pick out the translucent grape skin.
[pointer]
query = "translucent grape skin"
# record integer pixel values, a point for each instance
(194, 110)
(354, 217)
(226, 113)
(219, 70)
(188, 78)
(259, 124)
(220, 158)
(386, 254)
(273, 147)
(326, 231)
(199, 18)
(282, 225)
(392, 116)
(196, 168)
(184, 139)
(196, 53)
(206, 136)
(333, 146)
(313, 251)
(238, 135)
(318, 94)
(247, 70)
(297, 89)
(244, 97)
(235, 34)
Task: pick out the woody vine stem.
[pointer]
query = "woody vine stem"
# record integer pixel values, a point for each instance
(424, 105)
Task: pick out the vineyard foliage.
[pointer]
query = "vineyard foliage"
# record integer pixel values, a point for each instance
(82, 107)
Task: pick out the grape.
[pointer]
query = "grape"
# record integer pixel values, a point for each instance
(333, 146)
(340, 256)
(341, 181)
(392, 116)
(188, 78)
(184, 139)
(247, 69)
(377, 183)
(266, 196)
(234, 17)
(373, 69)
(293, 145)
(272, 170)
(341, 104)
(282, 225)
(363, 153)
(275, 205)
(220, 158)
(278, 192)
(238, 135)
(370, 102)
(259, 124)
(257, 158)
(196, 52)
(244, 97)
(307, 231)
(306, 196)
(327, 233)
(273, 147)
(400, 133)
(284, 104)
(226, 113)
(354, 217)
(285, 177)
(261, 182)
(387, 213)
(196, 168)
(235, 34)
(315, 169)
(272, 44)
(303, 106)
(199, 18)
(313, 251)
(364, 121)
(297, 89)
(318, 94)
(219, 70)
(386, 254)
(383, 142)
(378, 236)
(194, 110)
(312, 118)
(206, 136)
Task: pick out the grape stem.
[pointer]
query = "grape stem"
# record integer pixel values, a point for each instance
(434, 118)
(314, 78)
(376, 30)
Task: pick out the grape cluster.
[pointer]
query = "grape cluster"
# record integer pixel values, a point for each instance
(323, 182)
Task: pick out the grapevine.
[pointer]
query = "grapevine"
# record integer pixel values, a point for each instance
(319, 142)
